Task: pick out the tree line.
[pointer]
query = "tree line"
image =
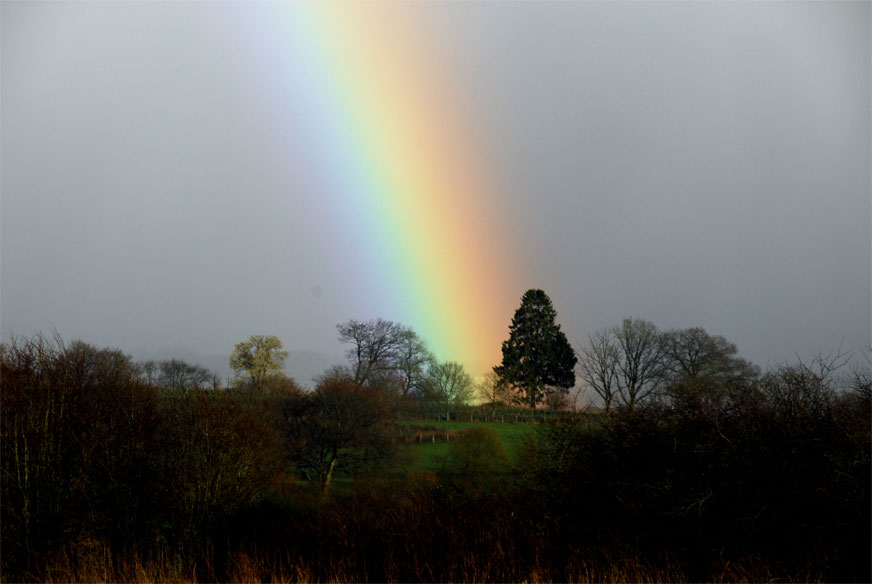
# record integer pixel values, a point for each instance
(756, 480)
(699, 468)
(626, 364)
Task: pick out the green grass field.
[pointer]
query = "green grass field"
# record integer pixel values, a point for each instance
(428, 456)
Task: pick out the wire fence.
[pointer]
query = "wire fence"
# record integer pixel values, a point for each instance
(481, 413)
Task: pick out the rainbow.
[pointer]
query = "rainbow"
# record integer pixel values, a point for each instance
(389, 138)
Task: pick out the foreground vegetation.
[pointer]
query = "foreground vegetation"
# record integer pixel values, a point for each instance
(107, 477)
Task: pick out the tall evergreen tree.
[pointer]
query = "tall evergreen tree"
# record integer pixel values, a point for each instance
(537, 358)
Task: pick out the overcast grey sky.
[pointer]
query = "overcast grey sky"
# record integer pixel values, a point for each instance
(693, 164)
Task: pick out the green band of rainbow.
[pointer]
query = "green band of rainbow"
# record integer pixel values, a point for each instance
(386, 135)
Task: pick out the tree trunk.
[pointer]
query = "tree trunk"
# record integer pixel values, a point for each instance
(328, 478)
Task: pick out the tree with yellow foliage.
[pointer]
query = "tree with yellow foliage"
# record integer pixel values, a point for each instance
(261, 357)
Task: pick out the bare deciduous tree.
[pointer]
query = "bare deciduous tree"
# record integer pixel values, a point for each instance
(693, 354)
(181, 375)
(385, 354)
(413, 357)
(598, 365)
(375, 346)
(448, 384)
(640, 366)
(493, 391)
(624, 362)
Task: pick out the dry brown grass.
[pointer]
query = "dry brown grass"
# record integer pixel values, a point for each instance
(97, 564)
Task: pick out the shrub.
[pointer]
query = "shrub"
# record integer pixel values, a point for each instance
(778, 470)
(218, 454)
(341, 425)
(475, 458)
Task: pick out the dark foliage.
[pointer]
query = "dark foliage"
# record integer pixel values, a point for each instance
(743, 479)
(78, 427)
(536, 356)
(177, 374)
(92, 453)
(779, 470)
(342, 424)
(217, 453)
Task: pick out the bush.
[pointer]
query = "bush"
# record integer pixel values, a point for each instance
(475, 455)
(340, 426)
(218, 454)
(779, 471)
